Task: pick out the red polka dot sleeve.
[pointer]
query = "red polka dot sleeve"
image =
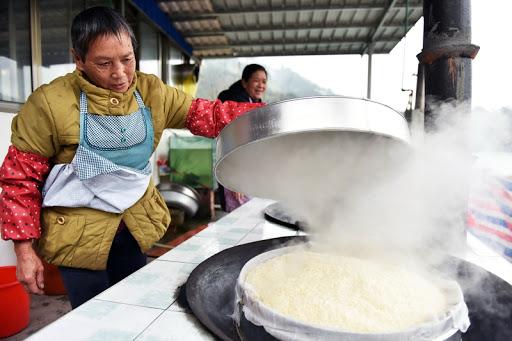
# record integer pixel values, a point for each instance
(207, 118)
(21, 177)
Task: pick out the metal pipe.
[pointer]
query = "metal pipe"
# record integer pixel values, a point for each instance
(447, 54)
(35, 44)
(420, 89)
(369, 82)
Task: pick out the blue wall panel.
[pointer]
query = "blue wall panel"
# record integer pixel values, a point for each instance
(153, 12)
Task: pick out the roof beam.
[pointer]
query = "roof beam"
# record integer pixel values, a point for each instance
(380, 24)
(240, 29)
(286, 43)
(182, 16)
(301, 52)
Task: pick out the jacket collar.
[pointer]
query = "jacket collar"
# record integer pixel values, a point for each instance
(100, 95)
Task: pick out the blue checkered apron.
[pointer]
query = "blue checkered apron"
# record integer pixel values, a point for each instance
(111, 169)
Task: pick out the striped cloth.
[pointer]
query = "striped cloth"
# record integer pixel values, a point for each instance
(490, 213)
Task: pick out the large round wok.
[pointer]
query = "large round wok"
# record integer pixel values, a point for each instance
(210, 293)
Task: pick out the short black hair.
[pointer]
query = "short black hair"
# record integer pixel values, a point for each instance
(95, 22)
(250, 69)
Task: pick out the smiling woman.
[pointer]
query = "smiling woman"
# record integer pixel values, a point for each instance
(250, 88)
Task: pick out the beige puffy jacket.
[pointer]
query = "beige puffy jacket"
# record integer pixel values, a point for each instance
(48, 124)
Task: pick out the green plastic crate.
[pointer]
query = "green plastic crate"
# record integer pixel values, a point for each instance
(191, 159)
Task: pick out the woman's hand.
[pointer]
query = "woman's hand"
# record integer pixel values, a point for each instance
(239, 197)
(29, 269)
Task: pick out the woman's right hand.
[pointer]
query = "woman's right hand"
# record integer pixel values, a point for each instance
(29, 269)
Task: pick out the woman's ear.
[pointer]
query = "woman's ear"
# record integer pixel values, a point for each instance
(244, 84)
(78, 61)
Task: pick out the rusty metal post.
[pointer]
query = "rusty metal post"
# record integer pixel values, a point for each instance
(447, 54)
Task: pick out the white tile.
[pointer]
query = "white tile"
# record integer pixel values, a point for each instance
(242, 223)
(257, 236)
(482, 255)
(197, 249)
(249, 238)
(233, 233)
(268, 230)
(154, 285)
(227, 220)
(99, 320)
(173, 325)
(250, 223)
(255, 205)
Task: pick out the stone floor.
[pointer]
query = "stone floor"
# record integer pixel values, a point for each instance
(43, 311)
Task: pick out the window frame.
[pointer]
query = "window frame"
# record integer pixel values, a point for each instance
(164, 44)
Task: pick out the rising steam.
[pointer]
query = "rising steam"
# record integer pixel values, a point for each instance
(355, 190)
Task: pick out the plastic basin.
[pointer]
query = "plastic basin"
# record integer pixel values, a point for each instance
(15, 303)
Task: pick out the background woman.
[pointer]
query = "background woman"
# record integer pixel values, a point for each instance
(250, 89)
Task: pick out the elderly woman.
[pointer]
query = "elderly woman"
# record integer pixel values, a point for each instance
(77, 186)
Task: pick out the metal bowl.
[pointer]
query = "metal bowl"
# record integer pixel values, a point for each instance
(289, 140)
(277, 213)
(180, 196)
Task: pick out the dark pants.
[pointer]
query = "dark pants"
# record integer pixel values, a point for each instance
(125, 257)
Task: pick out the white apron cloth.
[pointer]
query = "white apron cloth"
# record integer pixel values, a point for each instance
(111, 169)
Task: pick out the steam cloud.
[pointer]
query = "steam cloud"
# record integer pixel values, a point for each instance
(356, 189)
(369, 196)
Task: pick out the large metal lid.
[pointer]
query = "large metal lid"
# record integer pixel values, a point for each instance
(287, 142)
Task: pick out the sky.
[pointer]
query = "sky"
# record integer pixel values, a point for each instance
(347, 75)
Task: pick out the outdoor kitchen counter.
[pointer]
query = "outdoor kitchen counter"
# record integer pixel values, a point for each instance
(143, 306)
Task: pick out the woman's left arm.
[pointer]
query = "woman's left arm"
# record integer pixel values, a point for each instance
(207, 118)
(21, 177)
(201, 116)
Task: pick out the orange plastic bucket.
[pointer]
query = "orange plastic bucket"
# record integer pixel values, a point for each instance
(15, 303)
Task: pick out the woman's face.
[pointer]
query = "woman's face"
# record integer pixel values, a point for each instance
(109, 62)
(256, 85)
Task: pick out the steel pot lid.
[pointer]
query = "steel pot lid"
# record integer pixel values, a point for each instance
(288, 141)
(179, 188)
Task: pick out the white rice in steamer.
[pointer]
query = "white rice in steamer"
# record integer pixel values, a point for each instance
(345, 292)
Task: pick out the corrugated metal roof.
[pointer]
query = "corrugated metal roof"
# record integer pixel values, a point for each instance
(240, 28)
